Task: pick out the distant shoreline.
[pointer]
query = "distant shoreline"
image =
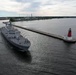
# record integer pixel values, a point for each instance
(30, 18)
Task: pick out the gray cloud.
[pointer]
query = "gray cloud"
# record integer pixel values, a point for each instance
(22, 1)
(34, 6)
(6, 13)
(39, 7)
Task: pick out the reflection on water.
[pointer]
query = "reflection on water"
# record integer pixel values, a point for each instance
(22, 56)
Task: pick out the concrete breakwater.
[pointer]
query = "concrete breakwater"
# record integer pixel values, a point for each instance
(41, 32)
(48, 34)
(45, 33)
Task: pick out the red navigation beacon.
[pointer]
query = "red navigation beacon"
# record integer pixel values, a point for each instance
(69, 33)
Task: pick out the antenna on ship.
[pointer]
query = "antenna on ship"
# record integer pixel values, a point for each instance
(69, 35)
(10, 21)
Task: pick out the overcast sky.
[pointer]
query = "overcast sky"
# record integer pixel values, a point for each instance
(37, 7)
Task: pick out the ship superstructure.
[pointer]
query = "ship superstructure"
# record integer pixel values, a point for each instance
(13, 36)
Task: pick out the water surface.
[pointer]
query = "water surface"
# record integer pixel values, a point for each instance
(47, 56)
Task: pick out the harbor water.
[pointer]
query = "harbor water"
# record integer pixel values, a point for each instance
(46, 55)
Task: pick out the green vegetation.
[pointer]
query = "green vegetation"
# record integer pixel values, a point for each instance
(11, 20)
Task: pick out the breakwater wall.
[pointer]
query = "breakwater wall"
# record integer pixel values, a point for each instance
(41, 32)
(48, 34)
(45, 33)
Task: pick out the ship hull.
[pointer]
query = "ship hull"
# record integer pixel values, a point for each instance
(15, 46)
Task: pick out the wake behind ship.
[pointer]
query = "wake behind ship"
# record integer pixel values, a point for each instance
(14, 37)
